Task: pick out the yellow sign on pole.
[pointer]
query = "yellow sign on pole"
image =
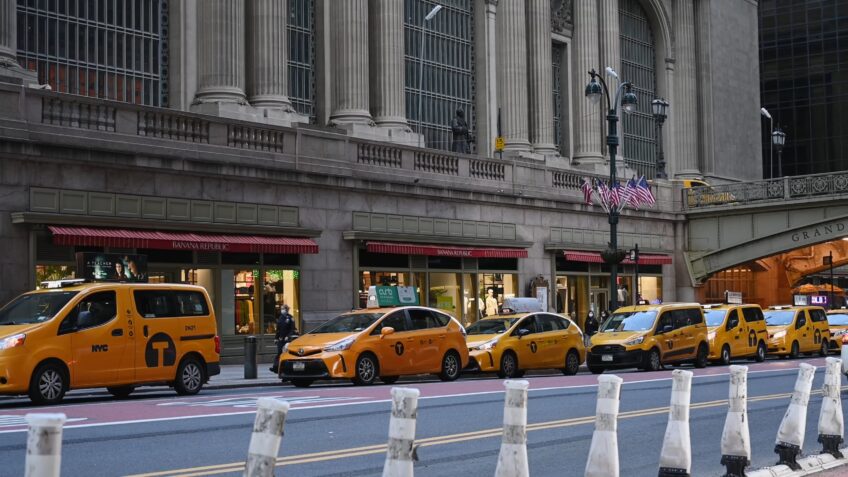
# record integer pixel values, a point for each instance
(499, 143)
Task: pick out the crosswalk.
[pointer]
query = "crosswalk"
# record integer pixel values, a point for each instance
(15, 420)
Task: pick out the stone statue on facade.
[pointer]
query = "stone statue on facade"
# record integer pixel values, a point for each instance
(461, 134)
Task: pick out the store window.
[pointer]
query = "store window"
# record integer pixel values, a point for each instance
(246, 315)
(444, 292)
(282, 287)
(494, 288)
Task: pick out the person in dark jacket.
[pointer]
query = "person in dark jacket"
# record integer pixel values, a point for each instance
(285, 327)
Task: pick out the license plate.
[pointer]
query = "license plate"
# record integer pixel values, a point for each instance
(298, 366)
(606, 357)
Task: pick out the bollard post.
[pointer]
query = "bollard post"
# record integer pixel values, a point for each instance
(735, 438)
(676, 453)
(844, 355)
(265, 439)
(512, 459)
(250, 357)
(790, 436)
(831, 422)
(603, 452)
(399, 455)
(44, 445)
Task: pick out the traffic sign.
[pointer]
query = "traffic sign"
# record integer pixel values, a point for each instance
(499, 143)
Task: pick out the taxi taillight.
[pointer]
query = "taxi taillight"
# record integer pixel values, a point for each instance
(217, 344)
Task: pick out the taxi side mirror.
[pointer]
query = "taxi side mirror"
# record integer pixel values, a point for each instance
(666, 329)
(387, 330)
(523, 332)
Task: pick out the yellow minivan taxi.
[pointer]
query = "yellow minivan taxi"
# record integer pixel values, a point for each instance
(514, 343)
(115, 335)
(837, 322)
(793, 330)
(648, 336)
(736, 331)
(372, 343)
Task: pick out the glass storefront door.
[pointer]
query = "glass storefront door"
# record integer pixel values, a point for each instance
(444, 293)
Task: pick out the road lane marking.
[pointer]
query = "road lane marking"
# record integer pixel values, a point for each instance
(442, 440)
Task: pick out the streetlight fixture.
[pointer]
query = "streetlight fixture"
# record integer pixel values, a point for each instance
(634, 257)
(766, 114)
(778, 140)
(625, 96)
(427, 18)
(660, 107)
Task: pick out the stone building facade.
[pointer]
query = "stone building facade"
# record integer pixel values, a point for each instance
(325, 146)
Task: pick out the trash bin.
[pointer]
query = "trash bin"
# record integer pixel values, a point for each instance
(250, 357)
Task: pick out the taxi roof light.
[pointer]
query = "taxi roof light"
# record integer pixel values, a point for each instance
(68, 282)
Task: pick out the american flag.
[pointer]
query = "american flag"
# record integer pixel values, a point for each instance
(615, 195)
(628, 194)
(644, 192)
(604, 194)
(586, 187)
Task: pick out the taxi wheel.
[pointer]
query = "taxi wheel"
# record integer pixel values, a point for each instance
(366, 370)
(703, 356)
(795, 351)
(389, 379)
(652, 361)
(725, 355)
(301, 383)
(48, 385)
(121, 392)
(823, 350)
(572, 363)
(189, 378)
(451, 367)
(761, 353)
(509, 366)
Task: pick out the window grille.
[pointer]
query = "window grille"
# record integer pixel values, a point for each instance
(559, 140)
(301, 28)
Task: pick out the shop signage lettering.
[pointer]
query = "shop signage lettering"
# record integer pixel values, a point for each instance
(379, 296)
(817, 232)
(179, 245)
(446, 252)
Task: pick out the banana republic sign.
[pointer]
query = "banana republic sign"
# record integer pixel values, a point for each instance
(820, 233)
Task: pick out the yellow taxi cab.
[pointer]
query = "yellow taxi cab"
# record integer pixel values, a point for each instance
(512, 343)
(736, 331)
(73, 334)
(837, 322)
(648, 336)
(793, 330)
(371, 343)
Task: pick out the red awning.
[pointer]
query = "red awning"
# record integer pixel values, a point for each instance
(126, 238)
(595, 257)
(444, 250)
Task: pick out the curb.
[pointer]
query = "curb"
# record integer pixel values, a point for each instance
(809, 465)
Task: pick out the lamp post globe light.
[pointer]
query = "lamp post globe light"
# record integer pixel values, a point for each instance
(625, 96)
(778, 140)
(660, 107)
(427, 19)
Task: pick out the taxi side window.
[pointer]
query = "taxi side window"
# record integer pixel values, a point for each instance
(529, 324)
(424, 319)
(696, 316)
(802, 319)
(817, 316)
(752, 314)
(664, 321)
(396, 320)
(733, 320)
(94, 310)
(170, 303)
(681, 318)
(551, 323)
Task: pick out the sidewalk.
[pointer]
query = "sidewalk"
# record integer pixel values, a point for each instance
(232, 376)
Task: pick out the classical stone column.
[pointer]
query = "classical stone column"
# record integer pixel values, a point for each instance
(610, 38)
(587, 116)
(512, 78)
(349, 51)
(540, 75)
(267, 54)
(9, 43)
(388, 97)
(705, 84)
(220, 43)
(486, 63)
(685, 91)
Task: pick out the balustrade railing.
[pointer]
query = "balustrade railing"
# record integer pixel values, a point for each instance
(258, 139)
(173, 126)
(769, 190)
(378, 155)
(436, 163)
(75, 113)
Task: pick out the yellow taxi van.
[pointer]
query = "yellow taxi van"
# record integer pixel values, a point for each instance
(511, 343)
(648, 336)
(736, 331)
(73, 334)
(382, 342)
(837, 322)
(793, 330)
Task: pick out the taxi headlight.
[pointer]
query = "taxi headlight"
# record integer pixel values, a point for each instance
(778, 334)
(635, 340)
(341, 345)
(487, 345)
(836, 333)
(12, 341)
(711, 335)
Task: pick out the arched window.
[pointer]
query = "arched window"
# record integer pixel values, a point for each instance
(448, 80)
(638, 66)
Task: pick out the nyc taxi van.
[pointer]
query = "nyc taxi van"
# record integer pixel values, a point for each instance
(837, 321)
(74, 335)
(384, 341)
(793, 330)
(648, 336)
(736, 330)
(512, 343)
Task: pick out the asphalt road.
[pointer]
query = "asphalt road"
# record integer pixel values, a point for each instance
(341, 430)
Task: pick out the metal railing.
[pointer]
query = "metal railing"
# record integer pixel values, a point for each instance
(770, 190)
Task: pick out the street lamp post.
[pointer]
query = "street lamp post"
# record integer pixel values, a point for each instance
(427, 18)
(634, 257)
(596, 88)
(778, 140)
(660, 106)
(767, 115)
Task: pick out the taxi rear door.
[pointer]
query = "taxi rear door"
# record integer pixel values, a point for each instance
(804, 331)
(527, 346)
(736, 337)
(429, 337)
(821, 330)
(553, 335)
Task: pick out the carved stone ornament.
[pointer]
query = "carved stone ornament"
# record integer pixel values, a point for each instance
(562, 15)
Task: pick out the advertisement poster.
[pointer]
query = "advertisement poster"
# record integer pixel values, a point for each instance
(111, 267)
(379, 296)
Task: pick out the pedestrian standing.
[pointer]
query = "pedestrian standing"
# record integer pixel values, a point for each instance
(285, 326)
(590, 327)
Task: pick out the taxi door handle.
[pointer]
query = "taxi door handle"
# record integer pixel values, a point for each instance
(118, 332)
(145, 331)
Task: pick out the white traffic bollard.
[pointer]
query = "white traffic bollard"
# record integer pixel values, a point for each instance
(512, 459)
(790, 436)
(603, 452)
(265, 440)
(399, 460)
(676, 453)
(735, 438)
(44, 445)
(845, 355)
(831, 422)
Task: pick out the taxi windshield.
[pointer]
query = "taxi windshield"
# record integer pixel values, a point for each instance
(34, 308)
(629, 321)
(839, 319)
(779, 318)
(715, 317)
(348, 323)
(490, 327)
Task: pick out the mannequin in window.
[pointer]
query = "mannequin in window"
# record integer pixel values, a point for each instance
(491, 303)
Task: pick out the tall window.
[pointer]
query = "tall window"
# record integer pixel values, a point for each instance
(448, 81)
(559, 140)
(638, 66)
(301, 27)
(113, 49)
